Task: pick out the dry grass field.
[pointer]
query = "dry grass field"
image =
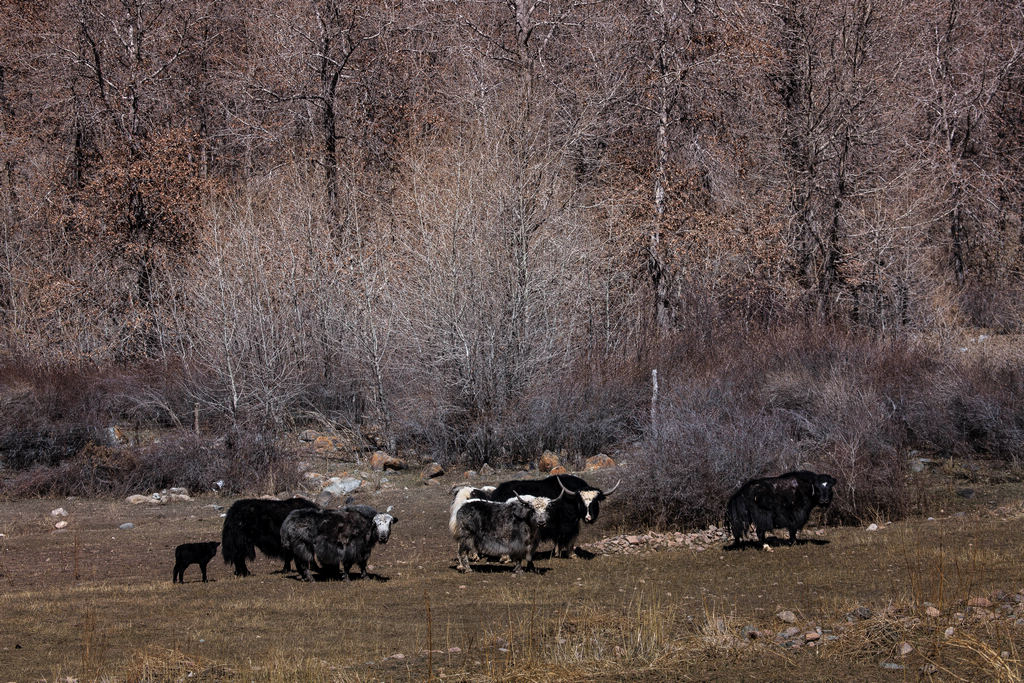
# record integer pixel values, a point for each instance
(95, 602)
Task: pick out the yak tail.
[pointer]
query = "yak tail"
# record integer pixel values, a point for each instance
(737, 517)
(235, 544)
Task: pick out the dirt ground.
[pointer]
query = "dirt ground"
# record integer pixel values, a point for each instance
(936, 597)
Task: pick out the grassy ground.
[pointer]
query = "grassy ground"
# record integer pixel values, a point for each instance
(95, 602)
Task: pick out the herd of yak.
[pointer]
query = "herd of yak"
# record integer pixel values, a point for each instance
(508, 520)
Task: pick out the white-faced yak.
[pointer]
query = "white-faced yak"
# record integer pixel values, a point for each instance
(334, 538)
(256, 523)
(492, 528)
(576, 501)
(782, 502)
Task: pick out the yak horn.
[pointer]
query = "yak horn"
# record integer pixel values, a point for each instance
(609, 491)
(564, 490)
(390, 508)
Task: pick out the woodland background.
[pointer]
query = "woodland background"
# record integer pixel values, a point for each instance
(475, 227)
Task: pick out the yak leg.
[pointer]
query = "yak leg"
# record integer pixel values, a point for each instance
(529, 557)
(465, 548)
(240, 568)
(201, 567)
(792, 535)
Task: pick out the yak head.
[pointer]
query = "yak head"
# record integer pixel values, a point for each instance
(824, 486)
(539, 505)
(382, 523)
(591, 499)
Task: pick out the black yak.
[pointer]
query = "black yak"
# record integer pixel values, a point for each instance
(564, 516)
(487, 527)
(256, 523)
(782, 502)
(333, 538)
(193, 553)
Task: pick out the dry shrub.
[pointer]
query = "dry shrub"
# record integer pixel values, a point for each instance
(706, 442)
(762, 404)
(242, 461)
(583, 411)
(988, 410)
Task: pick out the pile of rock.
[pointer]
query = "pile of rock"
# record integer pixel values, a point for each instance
(171, 495)
(635, 544)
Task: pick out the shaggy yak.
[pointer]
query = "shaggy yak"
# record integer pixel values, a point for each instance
(256, 523)
(330, 538)
(778, 502)
(192, 553)
(487, 527)
(582, 504)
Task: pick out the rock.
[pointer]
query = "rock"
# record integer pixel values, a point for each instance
(789, 632)
(932, 611)
(920, 464)
(598, 462)
(61, 524)
(965, 493)
(469, 474)
(126, 526)
(859, 614)
(906, 649)
(948, 632)
(137, 499)
(432, 470)
(787, 616)
(59, 512)
(548, 461)
(324, 444)
(891, 666)
(811, 636)
(559, 470)
(308, 435)
(486, 470)
(381, 461)
(633, 540)
(872, 527)
(431, 482)
(750, 631)
(178, 497)
(979, 602)
(177, 491)
(337, 488)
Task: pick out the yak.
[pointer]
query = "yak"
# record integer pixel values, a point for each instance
(253, 523)
(492, 528)
(334, 538)
(193, 553)
(563, 525)
(778, 502)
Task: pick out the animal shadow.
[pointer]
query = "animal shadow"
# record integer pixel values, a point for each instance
(775, 542)
(501, 569)
(550, 555)
(328, 577)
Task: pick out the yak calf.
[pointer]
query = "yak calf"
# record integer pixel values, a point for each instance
(193, 553)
